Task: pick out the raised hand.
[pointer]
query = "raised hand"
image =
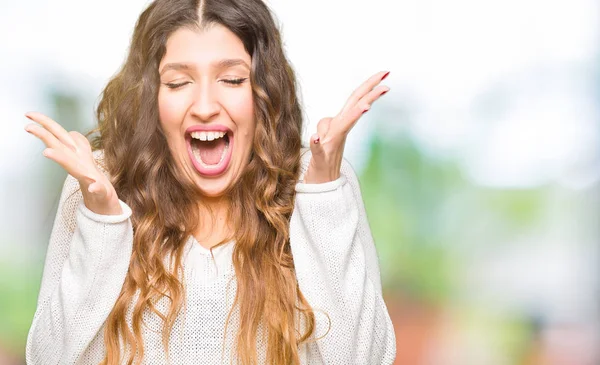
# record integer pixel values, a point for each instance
(73, 152)
(327, 145)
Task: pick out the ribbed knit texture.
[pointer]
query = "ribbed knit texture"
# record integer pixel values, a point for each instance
(336, 266)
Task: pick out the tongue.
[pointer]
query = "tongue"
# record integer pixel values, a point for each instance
(211, 151)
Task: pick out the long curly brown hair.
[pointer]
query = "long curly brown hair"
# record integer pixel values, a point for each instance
(165, 202)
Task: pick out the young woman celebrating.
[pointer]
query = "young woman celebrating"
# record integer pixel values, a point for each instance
(195, 228)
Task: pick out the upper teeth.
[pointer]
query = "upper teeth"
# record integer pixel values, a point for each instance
(207, 136)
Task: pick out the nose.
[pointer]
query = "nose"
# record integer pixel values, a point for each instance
(206, 102)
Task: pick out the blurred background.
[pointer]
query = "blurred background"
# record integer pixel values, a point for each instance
(480, 169)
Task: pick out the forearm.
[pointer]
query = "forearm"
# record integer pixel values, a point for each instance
(90, 281)
(338, 272)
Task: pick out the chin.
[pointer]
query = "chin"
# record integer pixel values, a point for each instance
(213, 188)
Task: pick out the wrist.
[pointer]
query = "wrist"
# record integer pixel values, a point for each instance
(109, 206)
(314, 178)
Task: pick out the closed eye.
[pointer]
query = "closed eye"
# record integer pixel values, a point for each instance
(228, 81)
(176, 86)
(235, 81)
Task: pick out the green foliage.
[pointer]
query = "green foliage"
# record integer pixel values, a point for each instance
(19, 286)
(425, 216)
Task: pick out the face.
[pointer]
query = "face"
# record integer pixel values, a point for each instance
(205, 105)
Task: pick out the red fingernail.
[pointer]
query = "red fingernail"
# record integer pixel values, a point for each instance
(384, 76)
(384, 92)
(316, 141)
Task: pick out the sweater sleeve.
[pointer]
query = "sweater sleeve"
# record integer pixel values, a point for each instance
(338, 273)
(86, 263)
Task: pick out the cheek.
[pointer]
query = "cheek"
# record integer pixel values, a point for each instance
(242, 112)
(170, 112)
(247, 108)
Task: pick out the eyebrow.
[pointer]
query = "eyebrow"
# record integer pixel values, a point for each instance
(224, 63)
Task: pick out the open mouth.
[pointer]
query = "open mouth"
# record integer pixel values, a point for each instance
(210, 151)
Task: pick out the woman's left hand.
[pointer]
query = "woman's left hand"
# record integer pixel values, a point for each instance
(327, 145)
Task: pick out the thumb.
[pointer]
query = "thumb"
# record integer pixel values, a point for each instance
(315, 144)
(95, 188)
(315, 139)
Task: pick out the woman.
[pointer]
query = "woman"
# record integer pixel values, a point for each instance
(195, 228)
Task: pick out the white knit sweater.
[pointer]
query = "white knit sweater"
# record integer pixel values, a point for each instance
(336, 266)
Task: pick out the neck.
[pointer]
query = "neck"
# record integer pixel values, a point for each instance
(214, 227)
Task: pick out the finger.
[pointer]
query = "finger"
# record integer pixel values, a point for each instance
(42, 133)
(314, 139)
(371, 97)
(71, 165)
(364, 89)
(315, 144)
(53, 127)
(61, 158)
(347, 121)
(323, 127)
(81, 141)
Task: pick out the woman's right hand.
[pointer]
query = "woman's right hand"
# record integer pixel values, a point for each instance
(73, 152)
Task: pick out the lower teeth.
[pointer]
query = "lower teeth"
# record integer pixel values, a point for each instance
(199, 159)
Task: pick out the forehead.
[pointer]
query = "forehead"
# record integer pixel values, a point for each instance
(204, 47)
